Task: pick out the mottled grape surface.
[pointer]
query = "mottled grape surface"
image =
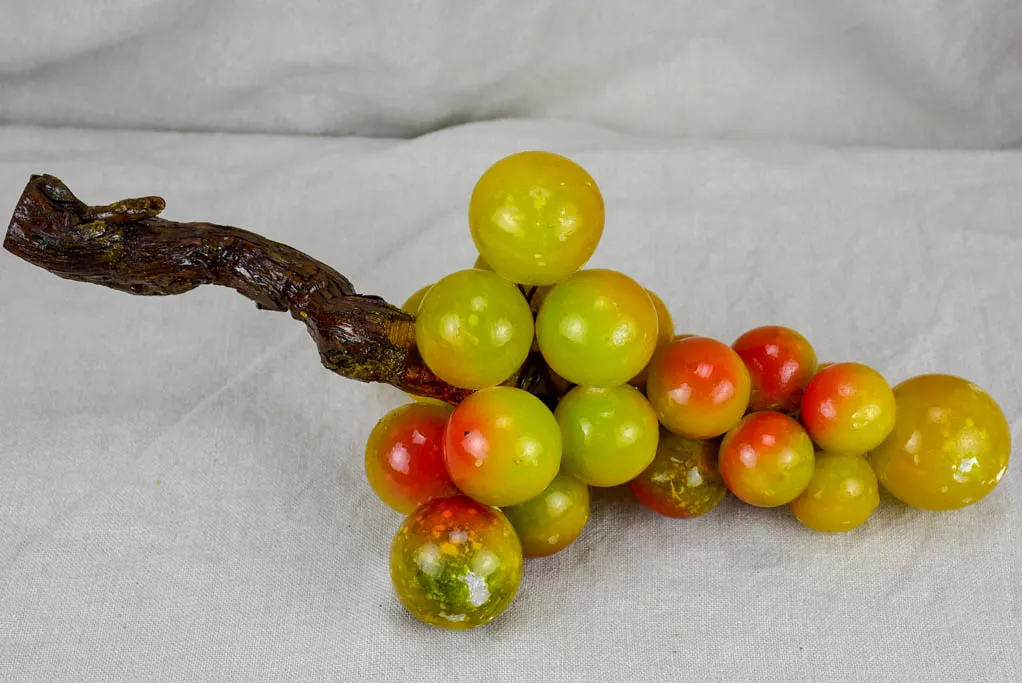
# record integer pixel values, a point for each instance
(683, 480)
(456, 563)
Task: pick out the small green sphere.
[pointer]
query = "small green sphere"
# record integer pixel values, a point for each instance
(551, 521)
(609, 435)
(598, 328)
(474, 329)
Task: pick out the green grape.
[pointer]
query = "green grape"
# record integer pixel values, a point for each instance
(551, 521)
(474, 329)
(536, 217)
(609, 435)
(597, 328)
(502, 446)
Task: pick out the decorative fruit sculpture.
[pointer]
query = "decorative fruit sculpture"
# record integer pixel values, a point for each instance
(546, 379)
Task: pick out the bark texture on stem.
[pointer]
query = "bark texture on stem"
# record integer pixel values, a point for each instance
(128, 247)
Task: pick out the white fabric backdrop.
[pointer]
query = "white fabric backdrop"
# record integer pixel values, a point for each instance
(891, 72)
(181, 487)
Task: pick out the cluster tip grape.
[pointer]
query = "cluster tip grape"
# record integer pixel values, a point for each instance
(682, 419)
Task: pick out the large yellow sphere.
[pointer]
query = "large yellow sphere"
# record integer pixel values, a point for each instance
(950, 445)
(536, 217)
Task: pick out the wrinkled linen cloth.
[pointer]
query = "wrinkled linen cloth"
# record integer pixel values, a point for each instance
(181, 484)
(898, 73)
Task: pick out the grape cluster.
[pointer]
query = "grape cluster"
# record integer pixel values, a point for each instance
(681, 419)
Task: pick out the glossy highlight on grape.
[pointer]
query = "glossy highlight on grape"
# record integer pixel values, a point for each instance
(767, 460)
(404, 460)
(551, 521)
(502, 446)
(848, 408)
(456, 563)
(699, 387)
(950, 444)
(474, 329)
(597, 328)
(781, 362)
(609, 435)
(683, 480)
(536, 217)
(841, 495)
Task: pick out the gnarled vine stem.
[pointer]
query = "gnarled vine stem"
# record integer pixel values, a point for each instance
(128, 247)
